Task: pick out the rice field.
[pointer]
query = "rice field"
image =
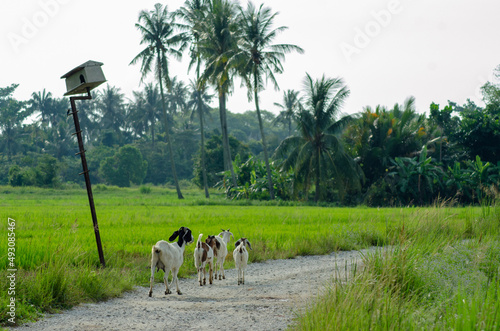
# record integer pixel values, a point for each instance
(58, 266)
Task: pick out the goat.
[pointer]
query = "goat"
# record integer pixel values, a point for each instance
(215, 245)
(203, 255)
(169, 257)
(223, 239)
(240, 255)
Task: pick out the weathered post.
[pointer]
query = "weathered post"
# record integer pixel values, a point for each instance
(82, 79)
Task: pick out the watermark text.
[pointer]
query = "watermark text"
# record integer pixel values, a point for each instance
(11, 271)
(364, 36)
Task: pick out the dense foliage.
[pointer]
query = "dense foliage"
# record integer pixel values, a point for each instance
(166, 132)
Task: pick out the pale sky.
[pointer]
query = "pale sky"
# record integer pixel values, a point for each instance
(385, 50)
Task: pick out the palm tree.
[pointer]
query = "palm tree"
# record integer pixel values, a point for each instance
(12, 114)
(157, 29)
(42, 102)
(88, 115)
(194, 13)
(260, 57)
(218, 35)
(380, 135)
(110, 103)
(317, 154)
(199, 104)
(289, 109)
(144, 112)
(177, 97)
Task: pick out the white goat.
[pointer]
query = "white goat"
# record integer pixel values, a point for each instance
(169, 257)
(222, 252)
(240, 255)
(203, 255)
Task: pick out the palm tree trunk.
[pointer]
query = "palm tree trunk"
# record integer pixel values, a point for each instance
(203, 168)
(202, 130)
(165, 124)
(318, 176)
(153, 132)
(228, 164)
(264, 144)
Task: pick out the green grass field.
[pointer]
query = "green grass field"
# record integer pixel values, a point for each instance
(58, 264)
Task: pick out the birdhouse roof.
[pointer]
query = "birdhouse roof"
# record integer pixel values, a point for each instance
(81, 66)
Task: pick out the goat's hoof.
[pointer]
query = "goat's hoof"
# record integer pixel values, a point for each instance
(168, 292)
(223, 277)
(150, 294)
(179, 292)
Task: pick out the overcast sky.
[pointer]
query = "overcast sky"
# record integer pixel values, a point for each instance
(385, 50)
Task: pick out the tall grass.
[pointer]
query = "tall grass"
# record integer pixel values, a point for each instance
(58, 264)
(441, 273)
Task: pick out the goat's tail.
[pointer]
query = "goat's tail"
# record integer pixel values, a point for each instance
(156, 249)
(198, 244)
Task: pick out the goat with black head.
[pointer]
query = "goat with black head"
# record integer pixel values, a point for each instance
(169, 257)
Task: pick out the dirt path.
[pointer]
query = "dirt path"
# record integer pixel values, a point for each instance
(273, 292)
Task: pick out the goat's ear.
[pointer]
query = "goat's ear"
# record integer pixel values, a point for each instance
(217, 243)
(236, 244)
(173, 236)
(248, 243)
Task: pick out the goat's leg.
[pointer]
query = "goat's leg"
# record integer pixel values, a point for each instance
(210, 272)
(215, 269)
(152, 279)
(243, 276)
(204, 275)
(165, 280)
(221, 270)
(199, 276)
(174, 278)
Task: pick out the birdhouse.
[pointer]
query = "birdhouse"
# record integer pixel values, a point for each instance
(88, 75)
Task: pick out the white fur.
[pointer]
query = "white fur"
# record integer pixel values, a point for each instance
(200, 263)
(222, 253)
(169, 257)
(240, 255)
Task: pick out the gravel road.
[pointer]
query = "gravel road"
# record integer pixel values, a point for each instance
(274, 291)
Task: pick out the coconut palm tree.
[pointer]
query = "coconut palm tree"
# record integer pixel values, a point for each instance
(177, 97)
(42, 102)
(218, 36)
(158, 28)
(289, 109)
(144, 110)
(193, 13)
(198, 104)
(317, 155)
(110, 104)
(261, 58)
(12, 114)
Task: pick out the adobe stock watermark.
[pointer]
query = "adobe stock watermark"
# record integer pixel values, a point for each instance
(31, 26)
(11, 271)
(364, 36)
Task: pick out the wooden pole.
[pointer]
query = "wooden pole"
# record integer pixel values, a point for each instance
(85, 172)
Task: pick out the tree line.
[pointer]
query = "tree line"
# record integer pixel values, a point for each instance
(167, 132)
